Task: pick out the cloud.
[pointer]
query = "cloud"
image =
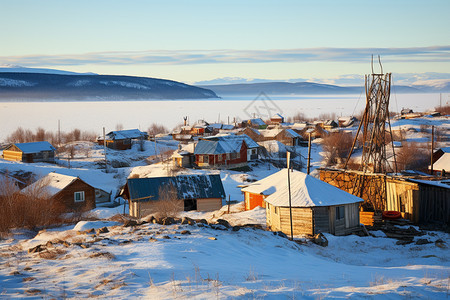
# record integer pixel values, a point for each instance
(183, 57)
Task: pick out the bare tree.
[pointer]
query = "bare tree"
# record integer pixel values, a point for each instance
(155, 129)
(337, 146)
(412, 157)
(168, 204)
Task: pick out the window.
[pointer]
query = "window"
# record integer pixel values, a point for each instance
(79, 196)
(238, 154)
(340, 212)
(219, 157)
(276, 210)
(206, 159)
(228, 156)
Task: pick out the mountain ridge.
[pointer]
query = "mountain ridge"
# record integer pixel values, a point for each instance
(44, 86)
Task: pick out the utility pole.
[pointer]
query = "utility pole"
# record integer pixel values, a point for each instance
(288, 157)
(59, 133)
(309, 154)
(104, 148)
(432, 149)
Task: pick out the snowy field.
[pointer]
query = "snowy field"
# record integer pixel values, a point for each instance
(94, 115)
(152, 261)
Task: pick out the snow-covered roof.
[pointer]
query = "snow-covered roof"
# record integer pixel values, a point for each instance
(291, 133)
(273, 146)
(125, 134)
(35, 147)
(277, 116)
(53, 183)
(445, 149)
(188, 187)
(180, 154)
(299, 125)
(306, 191)
(443, 163)
(221, 144)
(440, 184)
(257, 121)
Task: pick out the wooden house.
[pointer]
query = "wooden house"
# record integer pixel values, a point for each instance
(277, 119)
(421, 201)
(122, 139)
(289, 137)
(346, 121)
(253, 133)
(316, 206)
(228, 152)
(30, 152)
(441, 162)
(192, 192)
(71, 193)
(182, 159)
(257, 123)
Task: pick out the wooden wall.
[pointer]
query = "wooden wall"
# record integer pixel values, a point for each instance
(67, 198)
(209, 204)
(12, 155)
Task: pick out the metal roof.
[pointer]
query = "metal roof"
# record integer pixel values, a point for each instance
(125, 134)
(187, 186)
(35, 147)
(224, 144)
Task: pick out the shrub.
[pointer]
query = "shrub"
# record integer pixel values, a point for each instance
(154, 129)
(443, 110)
(168, 204)
(412, 157)
(337, 147)
(26, 210)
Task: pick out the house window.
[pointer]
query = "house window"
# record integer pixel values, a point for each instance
(228, 156)
(238, 154)
(276, 210)
(79, 196)
(340, 212)
(219, 157)
(206, 159)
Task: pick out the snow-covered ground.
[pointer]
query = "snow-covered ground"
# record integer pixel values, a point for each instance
(166, 262)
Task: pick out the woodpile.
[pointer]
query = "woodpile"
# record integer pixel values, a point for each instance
(369, 218)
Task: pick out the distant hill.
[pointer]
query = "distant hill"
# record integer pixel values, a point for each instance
(297, 88)
(43, 86)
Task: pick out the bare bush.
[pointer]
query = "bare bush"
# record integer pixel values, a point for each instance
(337, 146)
(412, 157)
(443, 110)
(168, 204)
(27, 209)
(155, 129)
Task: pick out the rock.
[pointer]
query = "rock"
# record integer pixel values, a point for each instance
(212, 238)
(422, 242)
(440, 243)
(200, 225)
(236, 228)
(203, 221)
(185, 232)
(223, 222)
(49, 244)
(168, 221)
(403, 242)
(152, 239)
(102, 230)
(320, 240)
(66, 244)
(187, 220)
(281, 234)
(129, 223)
(166, 237)
(218, 227)
(90, 231)
(38, 248)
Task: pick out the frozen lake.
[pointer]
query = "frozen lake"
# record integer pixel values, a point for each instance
(94, 115)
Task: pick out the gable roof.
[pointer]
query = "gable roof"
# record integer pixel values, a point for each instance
(35, 147)
(222, 144)
(125, 134)
(306, 191)
(443, 163)
(53, 183)
(277, 116)
(188, 187)
(291, 133)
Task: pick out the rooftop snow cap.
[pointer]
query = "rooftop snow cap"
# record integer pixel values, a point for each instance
(306, 191)
(35, 147)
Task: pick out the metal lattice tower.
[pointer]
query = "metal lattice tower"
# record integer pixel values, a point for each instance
(374, 134)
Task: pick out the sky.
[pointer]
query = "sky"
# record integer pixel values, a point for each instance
(199, 41)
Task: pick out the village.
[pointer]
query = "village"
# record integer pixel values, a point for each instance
(306, 181)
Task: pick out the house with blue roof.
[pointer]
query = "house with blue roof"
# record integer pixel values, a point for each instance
(30, 152)
(185, 192)
(122, 139)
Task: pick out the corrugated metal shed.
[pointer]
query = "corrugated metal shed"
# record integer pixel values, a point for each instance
(35, 147)
(187, 186)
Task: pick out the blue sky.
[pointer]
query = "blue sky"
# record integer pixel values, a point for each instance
(194, 41)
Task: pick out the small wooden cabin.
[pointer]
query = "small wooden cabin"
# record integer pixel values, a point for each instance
(277, 119)
(193, 192)
(182, 159)
(316, 206)
(122, 139)
(226, 152)
(72, 193)
(30, 152)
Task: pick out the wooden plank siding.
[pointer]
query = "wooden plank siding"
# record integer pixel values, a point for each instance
(321, 219)
(12, 155)
(209, 204)
(67, 196)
